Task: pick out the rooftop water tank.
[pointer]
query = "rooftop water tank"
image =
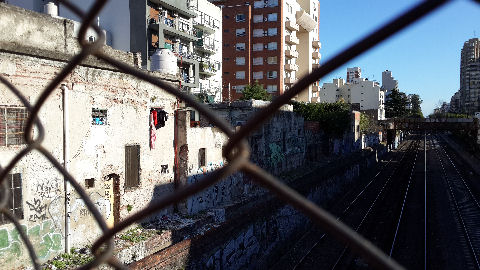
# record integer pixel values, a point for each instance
(165, 61)
(51, 9)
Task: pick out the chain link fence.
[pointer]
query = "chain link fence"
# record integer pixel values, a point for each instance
(236, 151)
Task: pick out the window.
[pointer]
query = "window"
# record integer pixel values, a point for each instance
(240, 46)
(258, 18)
(258, 75)
(271, 74)
(226, 30)
(240, 75)
(240, 61)
(272, 88)
(13, 121)
(272, 3)
(257, 32)
(272, 17)
(239, 88)
(272, 32)
(240, 17)
(258, 47)
(202, 157)
(257, 61)
(226, 59)
(132, 166)
(99, 117)
(240, 32)
(258, 4)
(272, 60)
(14, 202)
(90, 183)
(272, 46)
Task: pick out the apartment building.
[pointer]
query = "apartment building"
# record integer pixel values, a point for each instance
(190, 29)
(470, 76)
(388, 82)
(274, 42)
(352, 73)
(367, 94)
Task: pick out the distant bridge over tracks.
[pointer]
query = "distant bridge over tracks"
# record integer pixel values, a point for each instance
(432, 124)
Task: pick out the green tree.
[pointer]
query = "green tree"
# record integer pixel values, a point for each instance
(255, 91)
(416, 109)
(396, 106)
(334, 118)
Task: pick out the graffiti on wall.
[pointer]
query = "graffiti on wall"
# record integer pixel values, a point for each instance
(43, 236)
(276, 155)
(37, 210)
(223, 192)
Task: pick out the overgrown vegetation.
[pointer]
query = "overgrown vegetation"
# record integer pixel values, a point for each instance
(137, 234)
(255, 91)
(70, 260)
(334, 118)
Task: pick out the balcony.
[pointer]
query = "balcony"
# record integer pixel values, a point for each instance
(315, 88)
(206, 23)
(178, 29)
(315, 65)
(208, 68)
(181, 7)
(305, 21)
(207, 45)
(291, 39)
(316, 44)
(315, 100)
(291, 53)
(289, 80)
(291, 26)
(291, 67)
(316, 55)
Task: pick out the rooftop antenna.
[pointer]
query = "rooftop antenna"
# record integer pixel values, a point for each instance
(474, 34)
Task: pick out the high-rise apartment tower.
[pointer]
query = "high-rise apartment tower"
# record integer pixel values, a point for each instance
(470, 76)
(274, 42)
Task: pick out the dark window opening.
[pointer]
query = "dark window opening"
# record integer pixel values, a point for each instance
(202, 157)
(90, 183)
(132, 166)
(99, 117)
(13, 121)
(14, 202)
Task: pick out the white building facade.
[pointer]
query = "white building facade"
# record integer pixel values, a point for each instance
(367, 94)
(388, 82)
(301, 44)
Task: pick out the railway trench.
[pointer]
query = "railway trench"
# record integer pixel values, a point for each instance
(422, 207)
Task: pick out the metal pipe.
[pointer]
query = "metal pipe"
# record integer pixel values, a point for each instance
(66, 149)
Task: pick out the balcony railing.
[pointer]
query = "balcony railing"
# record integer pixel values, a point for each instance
(316, 44)
(290, 80)
(180, 25)
(208, 44)
(207, 21)
(316, 55)
(291, 67)
(291, 25)
(291, 53)
(291, 39)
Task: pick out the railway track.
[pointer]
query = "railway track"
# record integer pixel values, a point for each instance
(356, 213)
(422, 207)
(465, 204)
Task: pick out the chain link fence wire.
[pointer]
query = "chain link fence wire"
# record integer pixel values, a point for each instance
(236, 152)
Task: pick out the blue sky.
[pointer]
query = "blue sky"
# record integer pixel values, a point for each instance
(424, 57)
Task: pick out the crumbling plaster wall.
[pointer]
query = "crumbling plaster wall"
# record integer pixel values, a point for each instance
(33, 49)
